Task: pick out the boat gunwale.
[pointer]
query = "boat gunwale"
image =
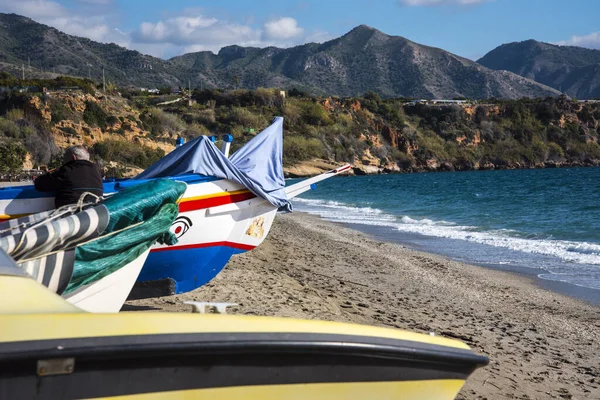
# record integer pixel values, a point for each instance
(153, 345)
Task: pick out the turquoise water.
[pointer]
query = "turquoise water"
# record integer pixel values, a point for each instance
(546, 219)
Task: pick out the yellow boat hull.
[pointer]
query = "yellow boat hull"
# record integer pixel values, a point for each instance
(51, 350)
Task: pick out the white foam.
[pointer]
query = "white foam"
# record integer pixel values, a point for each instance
(568, 251)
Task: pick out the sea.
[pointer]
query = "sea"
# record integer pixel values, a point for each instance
(540, 222)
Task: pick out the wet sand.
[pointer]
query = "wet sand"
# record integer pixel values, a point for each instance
(541, 344)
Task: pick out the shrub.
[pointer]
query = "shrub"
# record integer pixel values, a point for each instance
(158, 122)
(581, 151)
(242, 117)
(69, 131)
(12, 157)
(111, 120)
(298, 148)
(292, 113)
(555, 151)
(431, 145)
(127, 152)
(94, 115)
(195, 130)
(315, 114)
(9, 129)
(403, 160)
(205, 117)
(15, 114)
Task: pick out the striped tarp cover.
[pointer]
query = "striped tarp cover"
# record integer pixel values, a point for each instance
(44, 244)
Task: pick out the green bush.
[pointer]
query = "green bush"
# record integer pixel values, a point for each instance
(94, 115)
(431, 145)
(127, 152)
(555, 151)
(244, 118)
(581, 151)
(111, 120)
(15, 114)
(314, 114)
(60, 112)
(159, 122)
(12, 157)
(298, 148)
(9, 129)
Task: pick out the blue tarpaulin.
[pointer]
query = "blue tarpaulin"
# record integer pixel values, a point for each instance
(258, 165)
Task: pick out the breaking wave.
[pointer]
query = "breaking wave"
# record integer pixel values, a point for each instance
(567, 251)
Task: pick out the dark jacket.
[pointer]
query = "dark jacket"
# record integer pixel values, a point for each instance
(70, 181)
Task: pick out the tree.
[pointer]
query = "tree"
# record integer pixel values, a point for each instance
(12, 156)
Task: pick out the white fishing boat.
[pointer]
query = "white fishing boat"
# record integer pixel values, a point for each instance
(93, 254)
(109, 293)
(228, 207)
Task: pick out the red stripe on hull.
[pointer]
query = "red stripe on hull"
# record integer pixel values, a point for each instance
(214, 201)
(200, 245)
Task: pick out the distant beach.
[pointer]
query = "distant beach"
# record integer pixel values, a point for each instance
(541, 344)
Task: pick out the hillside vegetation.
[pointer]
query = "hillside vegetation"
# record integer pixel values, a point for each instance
(126, 132)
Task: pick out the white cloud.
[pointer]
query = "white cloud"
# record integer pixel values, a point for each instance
(196, 32)
(33, 8)
(189, 32)
(54, 14)
(591, 41)
(202, 33)
(282, 29)
(417, 3)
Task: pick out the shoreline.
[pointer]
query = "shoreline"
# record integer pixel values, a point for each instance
(314, 167)
(541, 344)
(582, 293)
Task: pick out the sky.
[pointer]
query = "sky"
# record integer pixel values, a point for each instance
(163, 28)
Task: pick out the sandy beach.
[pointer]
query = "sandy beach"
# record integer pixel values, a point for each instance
(541, 345)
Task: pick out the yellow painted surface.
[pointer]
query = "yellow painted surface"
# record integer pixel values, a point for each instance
(20, 327)
(20, 295)
(408, 390)
(212, 195)
(7, 216)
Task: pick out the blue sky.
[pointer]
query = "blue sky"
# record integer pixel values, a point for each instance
(163, 28)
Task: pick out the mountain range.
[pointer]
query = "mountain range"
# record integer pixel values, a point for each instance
(572, 70)
(363, 59)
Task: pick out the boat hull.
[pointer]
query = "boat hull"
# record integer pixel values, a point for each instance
(218, 218)
(190, 356)
(108, 294)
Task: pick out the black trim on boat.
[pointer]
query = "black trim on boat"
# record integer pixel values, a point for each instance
(109, 366)
(151, 289)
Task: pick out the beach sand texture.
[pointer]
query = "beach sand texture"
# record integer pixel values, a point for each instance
(541, 345)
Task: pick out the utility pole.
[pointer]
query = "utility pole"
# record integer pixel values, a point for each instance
(28, 63)
(23, 65)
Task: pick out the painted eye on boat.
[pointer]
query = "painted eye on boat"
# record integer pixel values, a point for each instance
(181, 226)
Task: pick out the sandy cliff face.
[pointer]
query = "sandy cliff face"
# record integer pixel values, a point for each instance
(124, 125)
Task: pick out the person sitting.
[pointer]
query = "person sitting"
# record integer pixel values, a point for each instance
(76, 176)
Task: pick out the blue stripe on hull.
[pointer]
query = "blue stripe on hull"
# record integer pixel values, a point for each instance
(189, 268)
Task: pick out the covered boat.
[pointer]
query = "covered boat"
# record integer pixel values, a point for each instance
(50, 350)
(93, 253)
(228, 207)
